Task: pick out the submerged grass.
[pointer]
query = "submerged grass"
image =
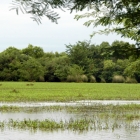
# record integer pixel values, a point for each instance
(97, 117)
(23, 91)
(84, 124)
(79, 108)
(126, 112)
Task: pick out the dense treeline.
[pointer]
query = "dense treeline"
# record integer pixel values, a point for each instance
(82, 62)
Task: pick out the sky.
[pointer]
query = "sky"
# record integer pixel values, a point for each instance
(20, 30)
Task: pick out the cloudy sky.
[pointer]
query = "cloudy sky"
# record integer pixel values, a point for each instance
(20, 30)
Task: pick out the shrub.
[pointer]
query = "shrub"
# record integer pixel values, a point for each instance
(130, 80)
(77, 78)
(118, 79)
(41, 79)
(92, 79)
(84, 78)
(71, 78)
(103, 80)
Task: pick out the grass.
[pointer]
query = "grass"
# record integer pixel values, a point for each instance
(45, 91)
(96, 117)
(73, 109)
(82, 124)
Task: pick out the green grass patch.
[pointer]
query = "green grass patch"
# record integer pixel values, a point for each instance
(45, 91)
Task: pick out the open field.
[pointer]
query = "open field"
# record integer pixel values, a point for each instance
(45, 91)
(80, 121)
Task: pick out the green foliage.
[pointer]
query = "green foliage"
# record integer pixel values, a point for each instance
(120, 16)
(33, 51)
(75, 70)
(133, 70)
(38, 9)
(79, 54)
(80, 61)
(62, 67)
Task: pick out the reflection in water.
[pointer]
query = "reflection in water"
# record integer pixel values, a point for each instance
(118, 126)
(52, 115)
(83, 102)
(120, 134)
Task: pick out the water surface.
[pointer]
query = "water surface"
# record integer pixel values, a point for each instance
(129, 130)
(76, 103)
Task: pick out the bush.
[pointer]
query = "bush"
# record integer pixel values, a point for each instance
(92, 79)
(103, 80)
(84, 78)
(130, 80)
(41, 79)
(71, 78)
(118, 79)
(77, 78)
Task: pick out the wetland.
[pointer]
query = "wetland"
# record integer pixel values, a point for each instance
(85, 117)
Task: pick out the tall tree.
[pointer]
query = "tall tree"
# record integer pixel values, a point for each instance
(124, 14)
(120, 16)
(33, 51)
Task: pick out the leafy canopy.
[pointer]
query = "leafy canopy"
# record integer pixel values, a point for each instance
(120, 16)
(123, 13)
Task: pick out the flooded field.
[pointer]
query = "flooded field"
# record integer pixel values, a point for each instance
(120, 134)
(81, 120)
(75, 103)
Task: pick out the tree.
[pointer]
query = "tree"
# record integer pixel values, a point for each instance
(9, 64)
(31, 70)
(33, 51)
(120, 16)
(80, 54)
(119, 50)
(133, 70)
(124, 14)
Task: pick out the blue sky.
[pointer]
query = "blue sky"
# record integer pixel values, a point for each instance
(19, 31)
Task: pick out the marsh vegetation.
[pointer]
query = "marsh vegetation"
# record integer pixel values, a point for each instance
(79, 120)
(74, 119)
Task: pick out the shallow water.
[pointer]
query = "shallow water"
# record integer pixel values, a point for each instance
(51, 115)
(128, 131)
(120, 134)
(76, 103)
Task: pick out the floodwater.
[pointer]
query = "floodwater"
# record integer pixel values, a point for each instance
(76, 103)
(120, 134)
(51, 115)
(127, 131)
